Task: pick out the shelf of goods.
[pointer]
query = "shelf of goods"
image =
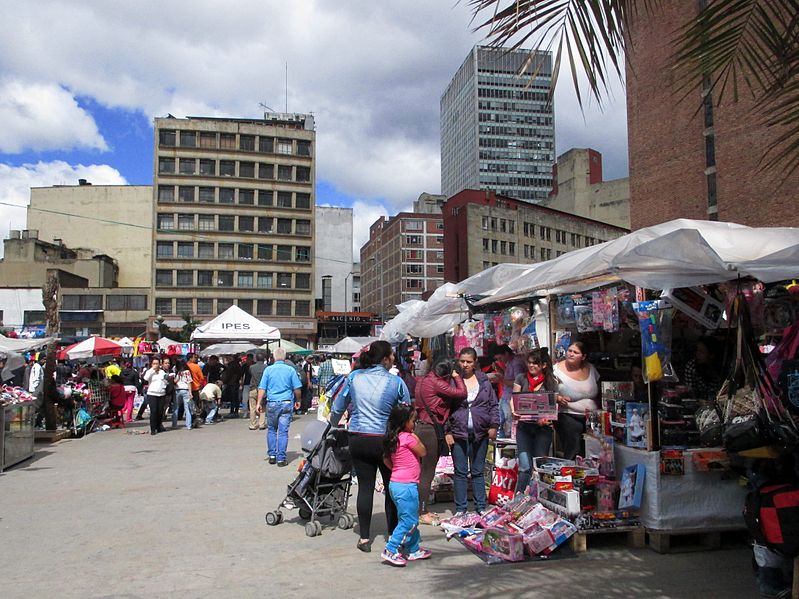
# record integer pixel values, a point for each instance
(16, 433)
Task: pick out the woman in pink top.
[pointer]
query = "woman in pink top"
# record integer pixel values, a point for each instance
(402, 450)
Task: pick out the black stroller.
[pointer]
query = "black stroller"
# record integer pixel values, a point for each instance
(322, 487)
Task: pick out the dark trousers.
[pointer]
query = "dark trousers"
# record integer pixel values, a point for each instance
(367, 459)
(142, 407)
(157, 404)
(306, 399)
(570, 434)
(231, 394)
(427, 435)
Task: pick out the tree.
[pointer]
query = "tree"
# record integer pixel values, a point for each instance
(50, 292)
(188, 328)
(163, 328)
(754, 41)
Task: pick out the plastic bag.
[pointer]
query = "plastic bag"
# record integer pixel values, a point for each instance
(503, 482)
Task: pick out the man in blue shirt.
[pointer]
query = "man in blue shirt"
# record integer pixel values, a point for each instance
(280, 387)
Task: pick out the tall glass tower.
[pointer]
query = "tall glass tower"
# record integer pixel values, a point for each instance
(497, 125)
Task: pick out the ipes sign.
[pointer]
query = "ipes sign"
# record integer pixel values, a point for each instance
(236, 326)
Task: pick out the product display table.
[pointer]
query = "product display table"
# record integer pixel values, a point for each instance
(16, 433)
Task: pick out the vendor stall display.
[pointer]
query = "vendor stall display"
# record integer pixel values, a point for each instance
(17, 413)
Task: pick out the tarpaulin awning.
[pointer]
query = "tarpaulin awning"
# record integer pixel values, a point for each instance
(234, 324)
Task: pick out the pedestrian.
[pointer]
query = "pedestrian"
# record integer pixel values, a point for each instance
(402, 450)
(231, 379)
(257, 420)
(213, 369)
(210, 396)
(182, 393)
(325, 373)
(157, 381)
(197, 377)
(371, 393)
(307, 390)
(280, 388)
(246, 383)
(36, 386)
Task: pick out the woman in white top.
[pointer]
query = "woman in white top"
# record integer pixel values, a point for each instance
(156, 390)
(578, 390)
(182, 394)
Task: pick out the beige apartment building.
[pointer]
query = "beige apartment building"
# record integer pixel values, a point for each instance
(234, 219)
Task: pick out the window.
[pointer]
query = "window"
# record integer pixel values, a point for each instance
(247, 169)
(413, 239)
(512, 248)
(439, 268)
(246, 223)
(284, 226)
(208, 140)
(494, 245)
(440, 226)
(82, 302)
(543, 254)
(303, 174)
(185, 278)
(166, 137)
(283, 172)
(184, 305)
(188, 139)
(245, 251)
(503, 247)
(226, 222)
(304, 201)
(266, 171)
(186, 194)
(224, 279)
(223, 304)
(284, 146)
(485, 223)
(225, 251)
(185, 249)
(266, 144)
(265, 224)
(413, 254)
(166, 193)
(284, 252)
(283, 280)
(205, 278)
(486, 245)
(126, 302)
(264, 307)
(163, 305)
(207, 195)
(302, 227)
(440, 256)
(284, 199)
(186, 222)
(206, 250)
(227, 141)
(302, 280)
(303, 254)
(512, 227)
(303, 148)
(264, 280)
(187, 166)
(301, 308)
(264, 251)
(208, 167)
(414, 269)
(205, 223)
(227, 195)
(245, 304)
(265, 198)
(413, 283)
(414, 225)
(246, 197)
(247, 143)
(166, 165)
(245, 279)
(284, 307)
(503, 225)
(164, 249)
(205, 306)
(439, 239)
(227, 168)
(163, 278)
(166, 222)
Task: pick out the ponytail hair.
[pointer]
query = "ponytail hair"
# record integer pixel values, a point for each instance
(400, 414)
(378, 351)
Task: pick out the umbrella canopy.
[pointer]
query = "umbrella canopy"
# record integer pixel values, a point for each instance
(229, 349)
(165, 342)
(293, 348)
(351, 345)
(125, 342)
(93, 346)
(234, 324)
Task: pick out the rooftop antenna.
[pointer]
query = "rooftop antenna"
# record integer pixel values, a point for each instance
(265, 107)
(287, 87)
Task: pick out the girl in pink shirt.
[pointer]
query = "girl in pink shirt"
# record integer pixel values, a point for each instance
(401, 452)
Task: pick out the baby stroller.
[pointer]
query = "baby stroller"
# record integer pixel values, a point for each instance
(322, 487)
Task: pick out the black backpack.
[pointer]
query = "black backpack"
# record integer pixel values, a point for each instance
(772, 516)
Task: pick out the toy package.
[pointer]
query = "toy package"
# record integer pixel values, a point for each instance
(503, 544)
(654, 321)
(637, 424)
(632, 487)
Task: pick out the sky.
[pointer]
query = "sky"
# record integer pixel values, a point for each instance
(82, 80)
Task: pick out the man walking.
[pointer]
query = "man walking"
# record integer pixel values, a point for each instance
(36, 386)
(280, 387)
(257, 419)
(197, 379)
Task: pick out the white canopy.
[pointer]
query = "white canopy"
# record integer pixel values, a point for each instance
(234, 324)
(230, 348)
(437, 315)
(11, 350)
(351, 345)
(164, 343)
(125, 342)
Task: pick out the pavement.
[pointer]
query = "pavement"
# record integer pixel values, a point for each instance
(181, 514)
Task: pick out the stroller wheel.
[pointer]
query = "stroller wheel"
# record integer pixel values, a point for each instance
(346, 521)
(305, 514)
(313, 528)
(274, 518)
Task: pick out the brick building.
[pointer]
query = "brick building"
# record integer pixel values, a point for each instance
(700, 164)
(483, 229)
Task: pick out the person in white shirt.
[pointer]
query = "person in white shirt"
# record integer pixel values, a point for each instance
(156, 390)
(36, 386)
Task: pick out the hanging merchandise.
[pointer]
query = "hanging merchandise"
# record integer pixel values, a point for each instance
(563, 339)
(519, 319)
(502, 328)
(565, 310)
(489, 334)
(583, 313)
(473, 331)
(699, 305)
(654, 321)
(597, 310)
(459, 339)
(610, 310)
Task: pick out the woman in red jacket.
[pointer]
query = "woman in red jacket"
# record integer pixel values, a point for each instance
(437, 394)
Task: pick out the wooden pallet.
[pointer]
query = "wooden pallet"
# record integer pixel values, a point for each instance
(678, 541)
(635, 537)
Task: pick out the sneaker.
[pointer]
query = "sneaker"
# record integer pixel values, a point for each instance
(272, 459)
(282, 463)
(261, 428)
(253, 428)
(419, 554)
(395, 559)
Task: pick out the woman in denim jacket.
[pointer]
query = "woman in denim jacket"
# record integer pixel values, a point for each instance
(469, 428)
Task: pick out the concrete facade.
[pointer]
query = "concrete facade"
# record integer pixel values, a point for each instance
(497, 125)
(580, 189)
(115, 220)
(483, 229)
(333, 257)
(20, 307)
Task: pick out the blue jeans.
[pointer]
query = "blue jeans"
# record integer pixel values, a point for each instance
(532, 441)
(469, 456)
(505, 418)
(211, 409)
(278, 418)
(406, 533)
(182, 396)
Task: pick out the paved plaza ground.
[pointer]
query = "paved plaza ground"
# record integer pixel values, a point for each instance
(181, 514)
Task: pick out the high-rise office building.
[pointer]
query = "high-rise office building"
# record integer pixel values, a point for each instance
(497, 125)
(234, 219)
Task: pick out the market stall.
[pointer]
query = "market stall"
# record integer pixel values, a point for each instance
(234, 324)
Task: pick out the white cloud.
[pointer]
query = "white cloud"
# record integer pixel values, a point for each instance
(16, 181)
(36, 116)
(364, 214)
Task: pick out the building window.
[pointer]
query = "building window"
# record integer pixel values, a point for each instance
(207, 195)
(266, 171)
(245, 279)
(166, 193)
(185, 249)
(264, 307)
(302, 280)
(512, 248)
(265, 224)
(440, 239)
(413, 254)
(186, 222)
(246, 223)
(304, 201)
(245, 304)
(413, 283)
(414, 269)
(164, 249)
(512, 227)
(206, 223)
(284, 307)
(284, 226)
(440, 268)
(485, 223)
(264, 251)
(223, 304)
(227, 195)
(413, 239)
(166, 137)
(247, 169)
(302, 227)
(185, 278)
(184, 305)
(494, 246)
(266, 145)
(205, 278)
(208, 140)
(246, 197)
(264, 280)
(303, 254)
(126, 302)
(303, 174)
(166, 166)
(227, 141)
(486, 245)
(247, 143)
(265, 198)
(503, 228)
(245, 251)
(163, 305)
(227, 168)
(206, 250)
(301, 308)
(414, 225)
(186, 194)
(224, 279)
(226, 222)
(188, 166)
(283, 280)
(503, 247)
(205, 306)
(284, 252)
(284, 146)
(208, 167)
(283, 172)
(166, 222)
(188, 139)
(440, 256)
(284, 199)
(225, 251)
(303, 148)
(163, 278)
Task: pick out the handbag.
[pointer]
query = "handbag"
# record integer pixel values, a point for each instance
(743, 433)
(443, 448)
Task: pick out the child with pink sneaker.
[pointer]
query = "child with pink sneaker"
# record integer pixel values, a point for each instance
(401, 452)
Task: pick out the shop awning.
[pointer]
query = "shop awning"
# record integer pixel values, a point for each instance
(234, 324)
(351, 345)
